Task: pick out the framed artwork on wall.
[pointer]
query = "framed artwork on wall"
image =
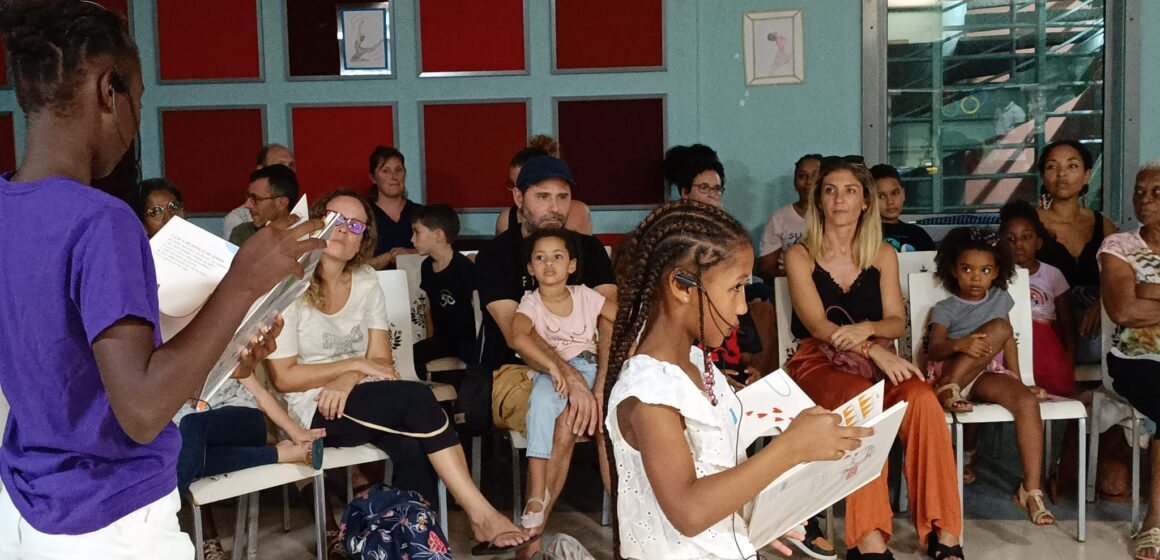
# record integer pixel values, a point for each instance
(364, 36)
(773, 48)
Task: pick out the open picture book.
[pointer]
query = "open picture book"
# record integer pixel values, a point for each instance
(766, 408)
(190, 262)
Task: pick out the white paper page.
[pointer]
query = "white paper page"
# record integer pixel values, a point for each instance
(807, 489)
(190, 262)
(275, 301)
(767, 406)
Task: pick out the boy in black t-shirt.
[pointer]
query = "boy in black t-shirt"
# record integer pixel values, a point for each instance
(902, 236)
(448, 278)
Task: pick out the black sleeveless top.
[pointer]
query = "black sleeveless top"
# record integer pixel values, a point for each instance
(863, 302)
(514, 217)
(1083, 272)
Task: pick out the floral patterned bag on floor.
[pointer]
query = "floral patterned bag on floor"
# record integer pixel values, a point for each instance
(393, 524)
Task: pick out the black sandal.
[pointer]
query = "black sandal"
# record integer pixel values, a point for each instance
(939, 551)
(855, 554)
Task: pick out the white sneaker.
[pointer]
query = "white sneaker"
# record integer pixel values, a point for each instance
(212, 550)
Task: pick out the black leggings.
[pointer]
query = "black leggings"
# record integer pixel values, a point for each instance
(1138, 381)
(406, 406)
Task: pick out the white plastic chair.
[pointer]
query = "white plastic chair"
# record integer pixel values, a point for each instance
(915, 261)
(924, 293)
(1107, 396)
(245, 485)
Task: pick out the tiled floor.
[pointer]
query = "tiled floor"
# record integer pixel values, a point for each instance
(995, 528)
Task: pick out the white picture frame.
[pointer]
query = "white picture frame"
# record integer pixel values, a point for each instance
(773, 45)
(364, 37)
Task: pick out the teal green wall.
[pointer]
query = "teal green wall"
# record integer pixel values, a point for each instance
(758, 131)
(1149, 81)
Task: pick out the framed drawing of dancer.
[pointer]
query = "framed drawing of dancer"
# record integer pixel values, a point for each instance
(773, 48)
(364, 38)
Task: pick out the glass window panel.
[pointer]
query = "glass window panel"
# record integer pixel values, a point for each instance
(976, 89)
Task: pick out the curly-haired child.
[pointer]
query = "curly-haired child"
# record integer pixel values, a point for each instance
(972, 352)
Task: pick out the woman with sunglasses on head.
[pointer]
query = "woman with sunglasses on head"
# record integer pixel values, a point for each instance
(88, 461)
(847, 302)
(159, 202)
(335, 368)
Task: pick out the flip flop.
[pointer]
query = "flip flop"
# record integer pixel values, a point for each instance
(488, 549)
(314, 456)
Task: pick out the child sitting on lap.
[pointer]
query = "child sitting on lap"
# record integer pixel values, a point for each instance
(972, 349)
(568, 317)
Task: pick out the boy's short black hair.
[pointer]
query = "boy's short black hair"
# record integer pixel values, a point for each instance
(283, 181)
(571, 244)
(883, 171)
(441, 217)
(963, 239)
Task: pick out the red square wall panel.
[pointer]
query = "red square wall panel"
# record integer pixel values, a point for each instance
(208, 40)
(472, 36)
(209, 154)
(615, 148)
(7, 143)
(332, 145)
(609, 34)
(467, 147)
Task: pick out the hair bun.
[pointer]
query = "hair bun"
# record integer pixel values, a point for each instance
(546, 143)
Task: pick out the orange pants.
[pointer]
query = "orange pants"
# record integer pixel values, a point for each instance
(929, 462)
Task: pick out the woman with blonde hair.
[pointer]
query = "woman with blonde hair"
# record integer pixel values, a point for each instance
(848, 310)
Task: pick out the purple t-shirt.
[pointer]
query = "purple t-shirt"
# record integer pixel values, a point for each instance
(73, 261)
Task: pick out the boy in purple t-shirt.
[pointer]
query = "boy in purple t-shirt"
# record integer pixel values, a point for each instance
(87, 462)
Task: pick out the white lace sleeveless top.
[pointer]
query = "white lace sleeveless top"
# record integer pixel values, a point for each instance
(711, 433)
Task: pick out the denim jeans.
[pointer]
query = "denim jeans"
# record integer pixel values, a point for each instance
(545, 405)
(222, 440)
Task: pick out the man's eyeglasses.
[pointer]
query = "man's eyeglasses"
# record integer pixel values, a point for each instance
(354, 226)
(255, 198)
(707, 189)
(158, 211)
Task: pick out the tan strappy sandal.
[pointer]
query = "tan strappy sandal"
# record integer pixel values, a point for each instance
(954, 401)
(1032, 501)
(1148, 541)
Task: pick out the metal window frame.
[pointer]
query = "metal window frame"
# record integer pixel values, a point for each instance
(1121, 93)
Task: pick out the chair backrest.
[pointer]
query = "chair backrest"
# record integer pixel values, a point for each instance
(915, 261)
(1107, 329)
(413, 264)
(925, 291)
(787, 343)
(394, 285)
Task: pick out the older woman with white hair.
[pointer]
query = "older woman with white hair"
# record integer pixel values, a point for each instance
(1130, 282)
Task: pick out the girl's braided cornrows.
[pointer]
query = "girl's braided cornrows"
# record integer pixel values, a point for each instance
(688, 233)
(49, 41)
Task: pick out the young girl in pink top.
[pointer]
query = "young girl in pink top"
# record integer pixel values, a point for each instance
(567, 317)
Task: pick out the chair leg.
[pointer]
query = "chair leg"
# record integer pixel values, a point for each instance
(240, 528)
(349, 484)
(285, 508)
(958, 429)
(1094, 446)
(830, 524)
(606, 511)
(252, 530)
(1047, 450)
(319, 515)
(1135, 473)
(443, 509)
(476, 460)
(517, 501)
(1081, 484)
(198, 541)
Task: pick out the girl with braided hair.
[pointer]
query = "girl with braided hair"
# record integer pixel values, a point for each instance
(88, 461)
(847, 303)
(682, 279)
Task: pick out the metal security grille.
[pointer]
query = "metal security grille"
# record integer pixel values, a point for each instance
(976, 88)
